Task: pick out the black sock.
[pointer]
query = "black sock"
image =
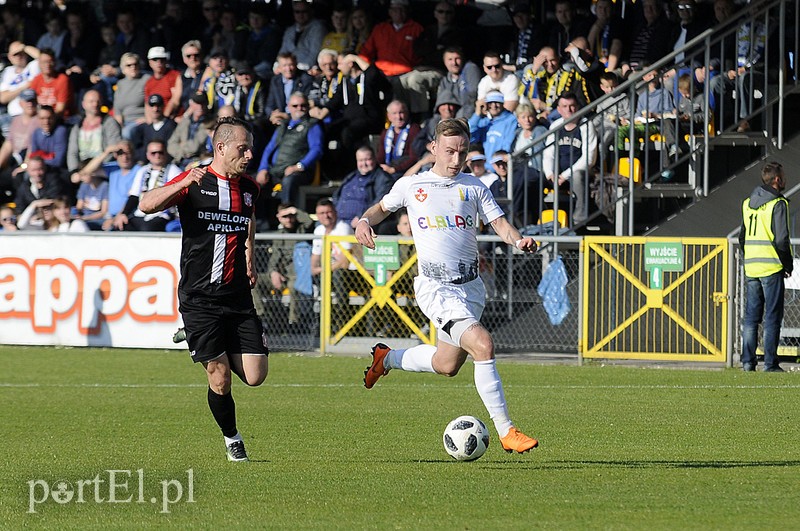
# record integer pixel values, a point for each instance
(224, 411)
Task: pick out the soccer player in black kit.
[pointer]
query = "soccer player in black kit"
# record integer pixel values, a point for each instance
(216, 206)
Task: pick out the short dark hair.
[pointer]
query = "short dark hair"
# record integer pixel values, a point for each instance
(326, 201)
(569, 96)
(770, 171)
(452, 127)
(223, 129)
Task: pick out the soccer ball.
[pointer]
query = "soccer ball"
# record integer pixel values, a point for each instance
(466, 438)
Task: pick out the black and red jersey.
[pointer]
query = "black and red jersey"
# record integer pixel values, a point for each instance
(215, 218)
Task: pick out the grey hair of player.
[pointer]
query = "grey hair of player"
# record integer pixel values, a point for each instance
(452, 127)
(224, 130)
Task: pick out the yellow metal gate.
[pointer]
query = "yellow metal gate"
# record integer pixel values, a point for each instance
(655, 298)
(355, 304)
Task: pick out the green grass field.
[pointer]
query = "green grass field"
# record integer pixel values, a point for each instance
(624, 448)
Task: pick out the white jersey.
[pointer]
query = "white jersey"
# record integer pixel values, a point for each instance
(11, 80)
(444, 214)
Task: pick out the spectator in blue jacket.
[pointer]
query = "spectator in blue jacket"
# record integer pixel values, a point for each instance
(496, 129)
(292, 154)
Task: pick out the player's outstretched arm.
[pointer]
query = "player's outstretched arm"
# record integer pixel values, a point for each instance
(374, 215)
(511, 235)
(159, 198)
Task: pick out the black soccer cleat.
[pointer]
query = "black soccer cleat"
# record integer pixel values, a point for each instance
(236, 452)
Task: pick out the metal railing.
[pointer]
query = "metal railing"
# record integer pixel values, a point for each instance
(757, 92)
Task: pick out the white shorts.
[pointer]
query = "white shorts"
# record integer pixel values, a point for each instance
(442, 303)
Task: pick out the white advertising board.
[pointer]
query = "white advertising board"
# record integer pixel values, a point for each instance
(89, 290)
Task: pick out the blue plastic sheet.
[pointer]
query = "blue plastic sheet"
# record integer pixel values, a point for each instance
(553, 291)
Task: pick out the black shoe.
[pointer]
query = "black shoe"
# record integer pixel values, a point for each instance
(236, 451)
(748, 367)
(774, 369)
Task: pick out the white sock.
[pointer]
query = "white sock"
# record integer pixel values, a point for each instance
(490, 389)
(229, 440)
(414, 359)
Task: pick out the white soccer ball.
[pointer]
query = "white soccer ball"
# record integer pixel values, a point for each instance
(466, 438)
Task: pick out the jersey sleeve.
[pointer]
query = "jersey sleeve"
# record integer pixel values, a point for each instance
(182, 194)
(396, 198)
(488, 208)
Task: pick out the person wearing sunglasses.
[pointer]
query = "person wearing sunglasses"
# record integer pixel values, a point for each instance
(292, 154)
(157, 172)
(499, 79)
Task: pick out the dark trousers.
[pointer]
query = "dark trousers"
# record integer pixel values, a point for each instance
(764, 299)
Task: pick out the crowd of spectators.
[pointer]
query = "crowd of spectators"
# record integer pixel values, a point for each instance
(104, 100)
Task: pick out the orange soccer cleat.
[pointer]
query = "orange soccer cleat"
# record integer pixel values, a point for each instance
(376, 370)
(516, 441)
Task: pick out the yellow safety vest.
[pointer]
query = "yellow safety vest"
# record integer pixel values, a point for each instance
(760, 257)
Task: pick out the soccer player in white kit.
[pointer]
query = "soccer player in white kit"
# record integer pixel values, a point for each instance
(445, 207)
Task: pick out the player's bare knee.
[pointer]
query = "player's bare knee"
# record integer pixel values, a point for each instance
(219, 378)
(483, 349)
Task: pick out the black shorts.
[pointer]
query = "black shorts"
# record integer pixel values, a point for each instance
(214, 328)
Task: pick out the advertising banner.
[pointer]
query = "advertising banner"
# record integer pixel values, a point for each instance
(89, 290)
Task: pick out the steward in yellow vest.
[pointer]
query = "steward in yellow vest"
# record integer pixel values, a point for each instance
(764, 239)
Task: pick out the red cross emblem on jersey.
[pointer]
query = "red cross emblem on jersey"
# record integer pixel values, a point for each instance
(421, 195)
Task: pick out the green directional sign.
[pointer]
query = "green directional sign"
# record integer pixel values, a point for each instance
(385, 253)
(667, 256)
(660, 257)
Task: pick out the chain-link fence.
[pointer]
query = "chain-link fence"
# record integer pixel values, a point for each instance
(366, 305)
(789, 346)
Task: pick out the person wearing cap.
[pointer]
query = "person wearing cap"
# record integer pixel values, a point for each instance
(17, 141)
(16, 78)
(91, 135)
(155, 127)
(129, 96)
(476, 164)
(304, 38)
(187, 143)
(292, 154)
(289, 81)
(460, 81)
(496, 128)
(218, 82)
(497, 78)
(166, 82)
